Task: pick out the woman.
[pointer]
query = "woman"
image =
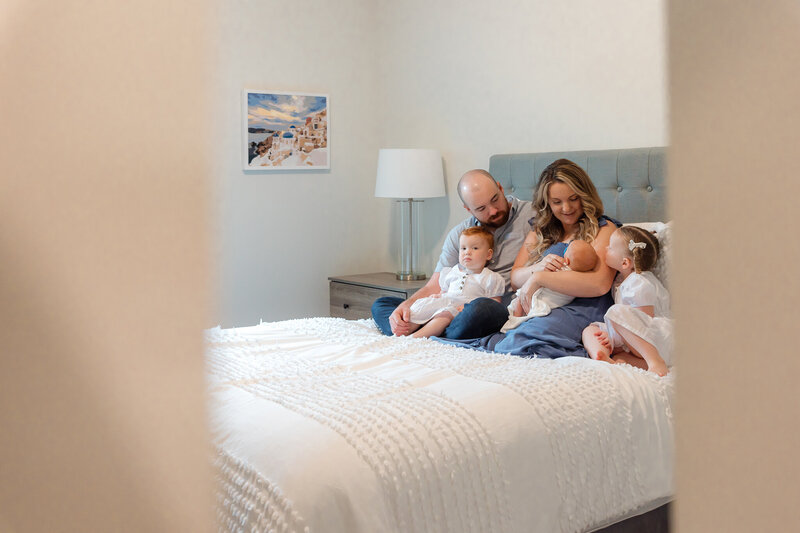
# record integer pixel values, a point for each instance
(567, 207)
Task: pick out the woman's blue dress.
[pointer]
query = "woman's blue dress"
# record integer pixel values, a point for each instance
(555, 335)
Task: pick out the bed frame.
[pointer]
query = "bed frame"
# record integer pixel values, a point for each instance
(631, 181)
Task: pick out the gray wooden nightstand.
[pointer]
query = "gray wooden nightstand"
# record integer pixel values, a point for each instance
(352, 296)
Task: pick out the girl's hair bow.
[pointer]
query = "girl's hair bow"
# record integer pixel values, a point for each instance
(633, 245)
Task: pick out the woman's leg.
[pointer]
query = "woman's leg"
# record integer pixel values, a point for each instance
(643, 349)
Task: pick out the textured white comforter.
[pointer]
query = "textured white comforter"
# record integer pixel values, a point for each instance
(326, 425)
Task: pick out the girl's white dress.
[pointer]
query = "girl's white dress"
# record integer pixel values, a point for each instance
(459, 286)
(639, 290)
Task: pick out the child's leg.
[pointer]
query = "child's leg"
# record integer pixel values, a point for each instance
(435, 326)
(516, 308)
(641, 348)
(629, 358)
(412, 327)
(596, 343)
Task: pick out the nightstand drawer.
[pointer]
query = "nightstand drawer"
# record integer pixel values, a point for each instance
(355, 301)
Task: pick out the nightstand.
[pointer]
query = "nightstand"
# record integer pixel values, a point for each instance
(352, 296)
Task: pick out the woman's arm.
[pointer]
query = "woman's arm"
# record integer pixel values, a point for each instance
(596, 282)
(520, 273)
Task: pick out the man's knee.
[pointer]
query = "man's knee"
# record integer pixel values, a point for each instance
(480, 317)
(381, 309)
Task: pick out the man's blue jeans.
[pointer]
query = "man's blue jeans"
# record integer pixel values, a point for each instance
(480, 317)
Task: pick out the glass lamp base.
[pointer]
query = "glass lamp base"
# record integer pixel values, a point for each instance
(409, 276)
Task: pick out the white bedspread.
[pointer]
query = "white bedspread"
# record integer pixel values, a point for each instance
(326, 425)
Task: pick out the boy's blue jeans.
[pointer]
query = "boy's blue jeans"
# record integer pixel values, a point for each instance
(480, 317)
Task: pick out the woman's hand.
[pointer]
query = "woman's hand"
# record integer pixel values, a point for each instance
(525, 293)
(551, 262)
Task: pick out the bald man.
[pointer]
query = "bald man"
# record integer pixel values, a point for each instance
(507, 218)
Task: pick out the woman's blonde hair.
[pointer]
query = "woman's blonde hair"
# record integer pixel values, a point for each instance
(644, 257)
(547, 227)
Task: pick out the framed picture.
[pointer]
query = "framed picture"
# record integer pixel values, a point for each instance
(286, 131)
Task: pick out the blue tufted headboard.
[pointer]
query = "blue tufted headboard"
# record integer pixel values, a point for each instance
(631, 181)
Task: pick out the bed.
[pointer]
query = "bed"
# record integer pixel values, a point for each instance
(323, 424)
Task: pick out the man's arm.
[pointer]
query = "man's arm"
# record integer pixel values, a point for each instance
(400, 318)
(449, 255)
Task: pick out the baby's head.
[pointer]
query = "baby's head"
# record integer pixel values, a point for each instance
(581, 255)
(638, 246)
(475, 248)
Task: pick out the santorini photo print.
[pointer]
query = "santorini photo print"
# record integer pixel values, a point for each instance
(285, 131)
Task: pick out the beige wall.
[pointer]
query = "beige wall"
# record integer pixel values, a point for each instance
(103, 250)
(734, 169)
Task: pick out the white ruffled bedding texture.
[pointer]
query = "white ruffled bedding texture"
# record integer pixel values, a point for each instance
(325, 425)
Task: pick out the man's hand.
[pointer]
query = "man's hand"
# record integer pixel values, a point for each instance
(399, 319)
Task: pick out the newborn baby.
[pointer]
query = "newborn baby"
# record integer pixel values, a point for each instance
(581, 257)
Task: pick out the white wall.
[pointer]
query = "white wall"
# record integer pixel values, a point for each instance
(479, 78)
(468, 78)
(282, 234)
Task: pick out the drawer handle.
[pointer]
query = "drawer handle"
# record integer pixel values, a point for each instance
(346, 306)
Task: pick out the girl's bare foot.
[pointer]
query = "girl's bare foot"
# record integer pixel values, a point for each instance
(602, 355)
(659, 368)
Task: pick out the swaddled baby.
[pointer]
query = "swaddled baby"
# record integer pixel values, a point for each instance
(581, 257)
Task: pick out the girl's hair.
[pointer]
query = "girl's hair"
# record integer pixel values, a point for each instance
(644, 258)
(483, 232)
(547, 227)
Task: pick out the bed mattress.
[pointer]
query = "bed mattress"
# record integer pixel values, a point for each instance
(326, 425)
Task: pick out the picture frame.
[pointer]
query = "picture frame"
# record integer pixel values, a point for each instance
(285, 131)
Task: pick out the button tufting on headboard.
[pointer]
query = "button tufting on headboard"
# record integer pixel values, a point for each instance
(622, 178)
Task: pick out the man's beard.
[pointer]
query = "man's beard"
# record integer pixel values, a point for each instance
(498, 220)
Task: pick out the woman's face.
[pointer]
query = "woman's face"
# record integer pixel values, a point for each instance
(565, 204)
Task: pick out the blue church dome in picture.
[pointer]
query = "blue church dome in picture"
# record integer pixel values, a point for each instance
(292, 127)
(287, 135)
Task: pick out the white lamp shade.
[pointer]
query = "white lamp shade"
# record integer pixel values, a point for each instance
(409, 173)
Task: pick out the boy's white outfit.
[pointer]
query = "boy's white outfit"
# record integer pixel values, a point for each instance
(543, 301)
(639, 290)
(459, 286)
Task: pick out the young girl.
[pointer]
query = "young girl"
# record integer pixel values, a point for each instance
(639, 322)
(463, 283)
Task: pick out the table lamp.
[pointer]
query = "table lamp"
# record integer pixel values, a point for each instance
(409, 174)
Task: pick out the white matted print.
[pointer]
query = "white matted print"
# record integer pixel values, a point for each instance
(286, 131)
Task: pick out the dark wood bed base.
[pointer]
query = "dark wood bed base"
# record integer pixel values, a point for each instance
(655, 521)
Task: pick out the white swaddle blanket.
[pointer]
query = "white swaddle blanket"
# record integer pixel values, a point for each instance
(543, 301)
